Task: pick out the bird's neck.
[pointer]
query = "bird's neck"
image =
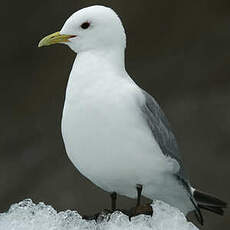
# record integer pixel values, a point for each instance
(98, 61)
(93, 66)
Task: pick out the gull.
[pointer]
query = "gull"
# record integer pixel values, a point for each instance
(115, 133)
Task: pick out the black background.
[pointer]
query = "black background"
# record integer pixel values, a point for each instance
(179, 51)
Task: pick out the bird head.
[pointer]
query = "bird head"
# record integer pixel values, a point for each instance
(90, 28)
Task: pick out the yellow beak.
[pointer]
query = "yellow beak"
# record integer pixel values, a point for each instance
(55, 38)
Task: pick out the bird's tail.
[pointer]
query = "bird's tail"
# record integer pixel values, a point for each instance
(209, 202)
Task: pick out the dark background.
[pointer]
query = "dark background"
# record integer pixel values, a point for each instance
(179, 51)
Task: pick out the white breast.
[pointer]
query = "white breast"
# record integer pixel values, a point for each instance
(107, 138)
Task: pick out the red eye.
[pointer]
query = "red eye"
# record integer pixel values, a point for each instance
(85, 25)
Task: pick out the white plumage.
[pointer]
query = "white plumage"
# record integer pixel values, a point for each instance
(105, 134)
(115, 133)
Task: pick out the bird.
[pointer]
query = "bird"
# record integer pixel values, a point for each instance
(115, 133)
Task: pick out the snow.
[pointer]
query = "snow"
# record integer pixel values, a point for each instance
(26, 215)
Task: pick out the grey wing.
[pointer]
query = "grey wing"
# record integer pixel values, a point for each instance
(164, 136)
(161, 131)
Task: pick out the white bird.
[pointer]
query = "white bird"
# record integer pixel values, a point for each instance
(114, 132)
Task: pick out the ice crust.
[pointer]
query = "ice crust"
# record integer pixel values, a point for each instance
(26, 215)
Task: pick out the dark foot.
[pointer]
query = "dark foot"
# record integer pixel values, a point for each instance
(145, 209)
(105, 214)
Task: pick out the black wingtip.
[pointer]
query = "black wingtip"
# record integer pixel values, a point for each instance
(217, 210)
(206, 199)
(198, 213)
(207, 202)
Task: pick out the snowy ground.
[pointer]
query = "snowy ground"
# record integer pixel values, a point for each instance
(26, 215)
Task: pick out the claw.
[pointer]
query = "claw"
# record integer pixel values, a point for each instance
(145, 209)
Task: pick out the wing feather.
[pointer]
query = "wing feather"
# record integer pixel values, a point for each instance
(164, 136)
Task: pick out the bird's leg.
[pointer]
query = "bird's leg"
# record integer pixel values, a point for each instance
(113, 196)
(136, 210)
(105, 212)
(139, 190)
(140, 209)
